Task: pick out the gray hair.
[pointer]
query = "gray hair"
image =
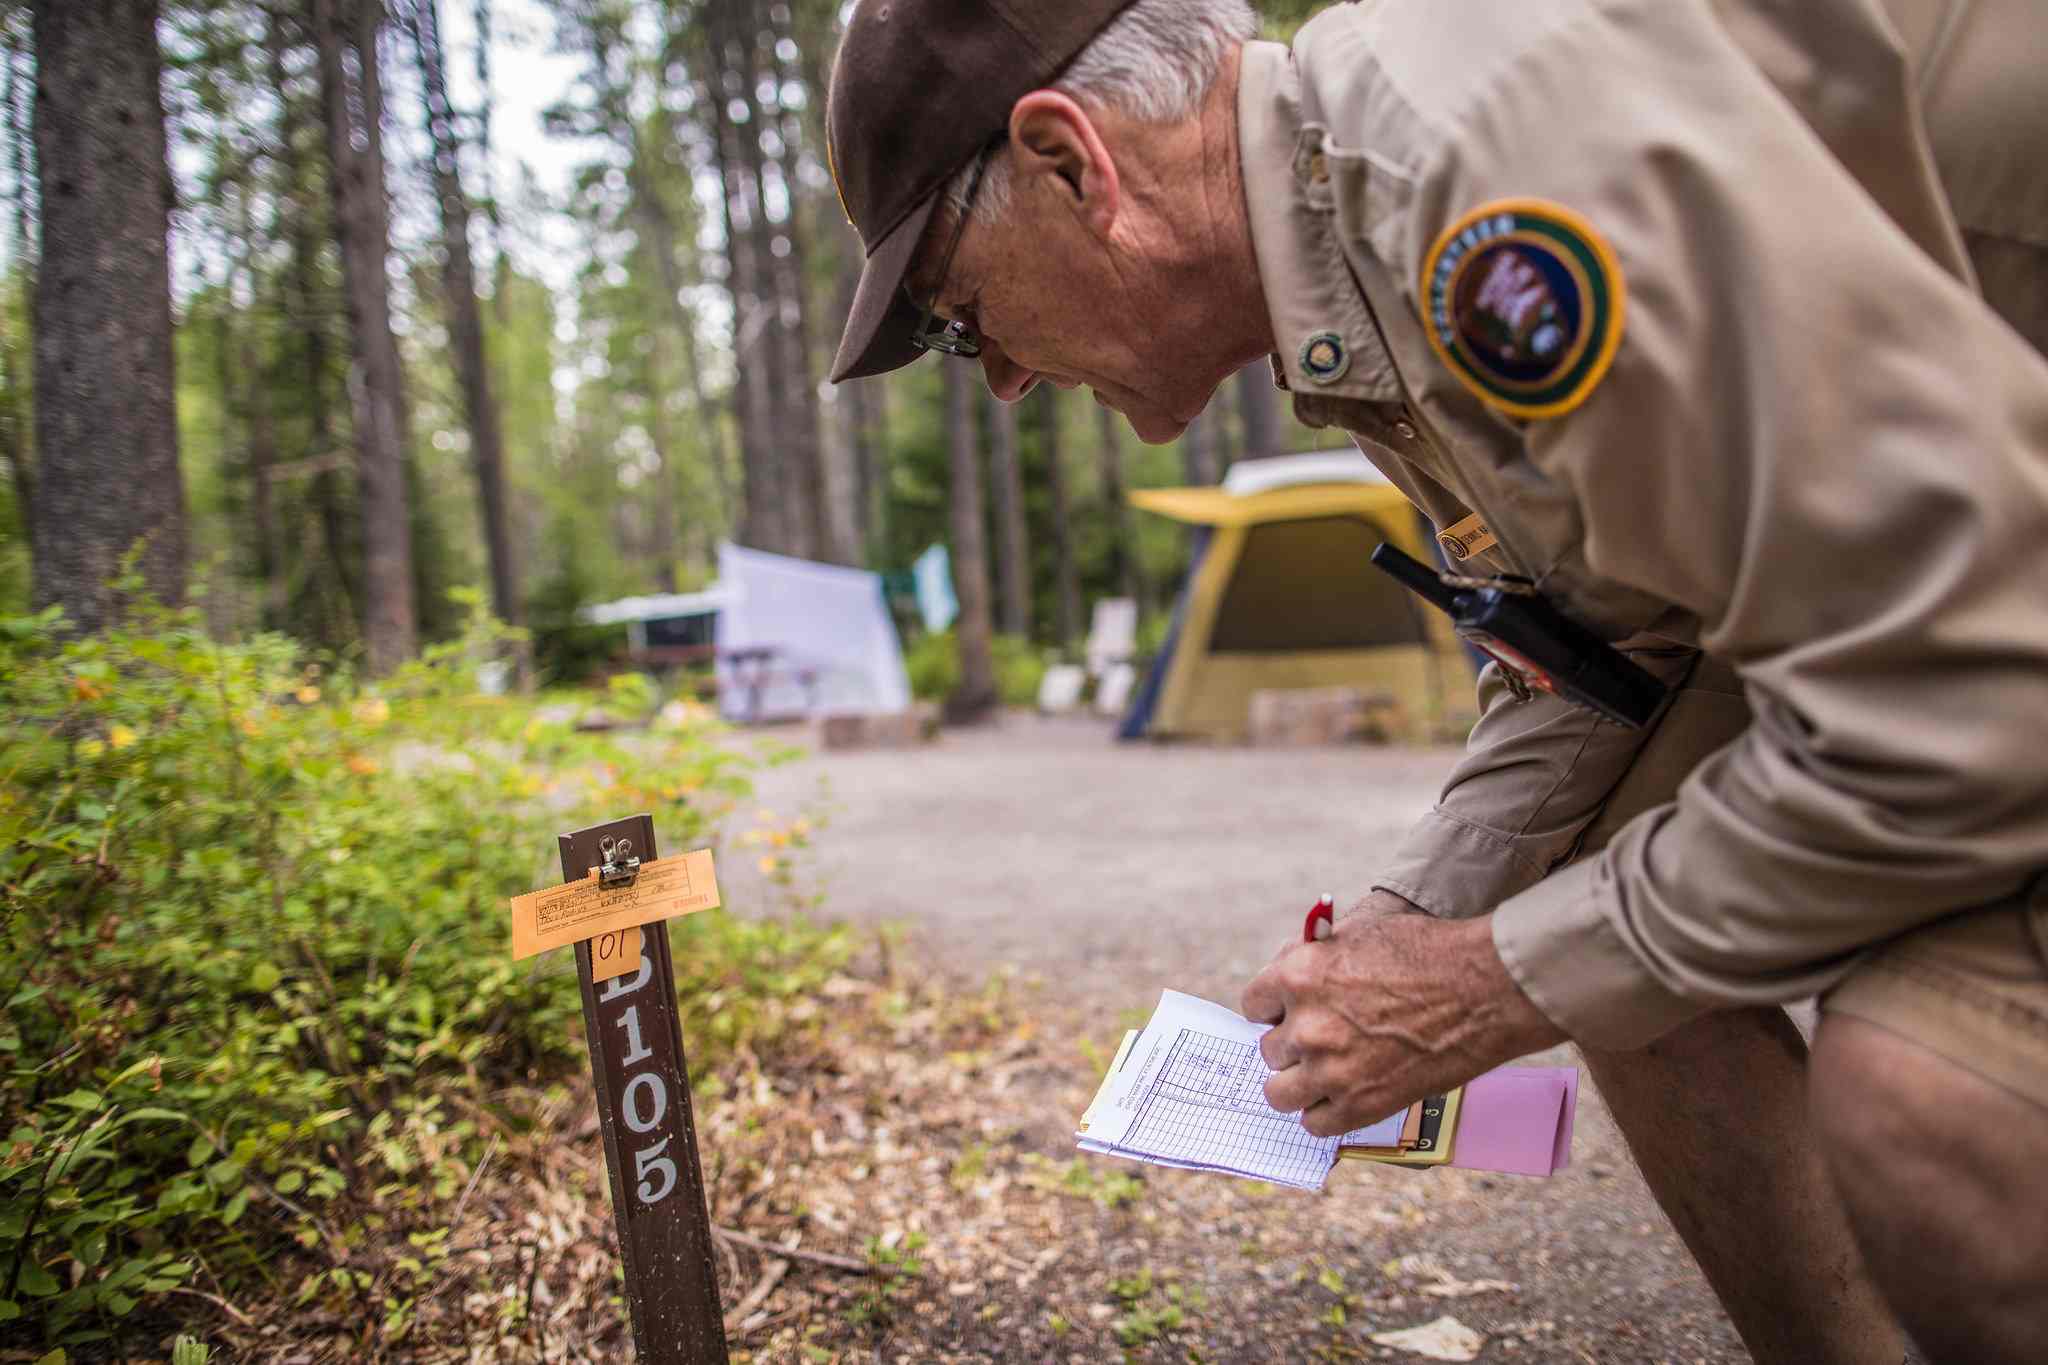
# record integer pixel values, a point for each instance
(1154, 62)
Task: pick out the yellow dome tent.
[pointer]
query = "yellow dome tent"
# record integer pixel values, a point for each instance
(1282, 595)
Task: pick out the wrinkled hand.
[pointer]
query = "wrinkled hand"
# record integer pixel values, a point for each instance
(1392, 1007)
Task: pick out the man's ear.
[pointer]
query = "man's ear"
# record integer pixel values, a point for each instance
(1054, 139)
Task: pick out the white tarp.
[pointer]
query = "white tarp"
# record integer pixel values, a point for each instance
(829, 640)
(1247, 477)
(656, 607)
(1112, 634)
(932, 571)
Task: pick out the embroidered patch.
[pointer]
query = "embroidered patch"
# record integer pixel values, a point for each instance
(1323, 358)
(1524, 301)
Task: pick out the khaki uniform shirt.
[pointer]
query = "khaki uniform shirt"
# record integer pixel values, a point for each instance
(1814, 454)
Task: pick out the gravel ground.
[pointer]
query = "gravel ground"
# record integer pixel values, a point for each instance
(1093, 874)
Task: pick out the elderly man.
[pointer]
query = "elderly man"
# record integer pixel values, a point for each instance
(1658, 306)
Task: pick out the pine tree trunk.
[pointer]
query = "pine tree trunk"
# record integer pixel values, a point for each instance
(976, 697)
(1198, 449)
(861, 400)
(1006, 482)
(465, 318)
(376, 387)
(791, 389)
(658, 236)
(15, 362)
(106, 425)
(871, 459)
(763, 524)
(1127, 565)
(248, 390)
(831, 478)
(1258, 402)
(660, 492)
(1066, 574)
(339, 611)
(494, 221)
(262, 436)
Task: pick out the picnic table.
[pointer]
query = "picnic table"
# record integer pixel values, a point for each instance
(753, 667)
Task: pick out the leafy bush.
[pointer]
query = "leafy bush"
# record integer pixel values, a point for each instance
(1020, 668)
(253, 949)
(933, 663)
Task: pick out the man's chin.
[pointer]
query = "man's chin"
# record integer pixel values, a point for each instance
(1153, 427)
(1157, 431)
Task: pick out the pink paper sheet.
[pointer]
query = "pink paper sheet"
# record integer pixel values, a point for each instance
(1518, 1120)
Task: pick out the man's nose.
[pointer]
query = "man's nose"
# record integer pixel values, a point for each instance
(1007, 380)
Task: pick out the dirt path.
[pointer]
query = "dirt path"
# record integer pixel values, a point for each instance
(1097, 874)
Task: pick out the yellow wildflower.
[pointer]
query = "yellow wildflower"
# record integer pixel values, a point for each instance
(121, 736)
(373, 711)
(307, 694)
(768, 865)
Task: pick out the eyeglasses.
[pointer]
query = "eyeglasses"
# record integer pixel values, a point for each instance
(938, 334)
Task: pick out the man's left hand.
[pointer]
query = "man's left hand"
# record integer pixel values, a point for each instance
(1393, 1006)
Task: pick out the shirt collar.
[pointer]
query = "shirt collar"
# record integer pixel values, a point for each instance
(1327, 342)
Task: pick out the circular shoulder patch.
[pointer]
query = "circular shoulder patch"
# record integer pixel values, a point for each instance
(1523, 300)
(1323, 358)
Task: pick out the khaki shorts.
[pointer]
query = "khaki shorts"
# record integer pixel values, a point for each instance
(1972, 987)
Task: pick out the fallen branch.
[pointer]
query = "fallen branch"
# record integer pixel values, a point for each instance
(237, 1314)
(851, 1265)
(762, 1321)
(474, 1176)
(756, 1296)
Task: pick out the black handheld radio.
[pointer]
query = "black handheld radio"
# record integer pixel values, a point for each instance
(1534, 642)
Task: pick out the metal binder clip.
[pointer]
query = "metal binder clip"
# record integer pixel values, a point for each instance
(619, 867)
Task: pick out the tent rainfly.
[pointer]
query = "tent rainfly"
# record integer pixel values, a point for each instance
(798, 638)
(1282, 595)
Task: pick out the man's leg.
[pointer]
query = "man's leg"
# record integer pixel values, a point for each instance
(1715, 1115)
(1942, 1175)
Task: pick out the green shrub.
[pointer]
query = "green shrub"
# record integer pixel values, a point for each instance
(1020, 667)
(933, 663)
(253, 945)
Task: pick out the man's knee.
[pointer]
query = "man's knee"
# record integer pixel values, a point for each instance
(1938, 1170)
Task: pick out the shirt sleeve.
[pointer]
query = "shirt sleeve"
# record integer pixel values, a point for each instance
(1824, 448)
(1536, 771)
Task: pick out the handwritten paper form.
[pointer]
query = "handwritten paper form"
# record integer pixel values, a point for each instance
(1189, 1091)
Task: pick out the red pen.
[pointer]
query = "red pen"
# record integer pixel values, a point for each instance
(1321, 921)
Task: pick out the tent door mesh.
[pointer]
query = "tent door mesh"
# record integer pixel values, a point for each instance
(1309, 585)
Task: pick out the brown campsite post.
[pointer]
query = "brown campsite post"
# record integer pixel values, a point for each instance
(650, 1140)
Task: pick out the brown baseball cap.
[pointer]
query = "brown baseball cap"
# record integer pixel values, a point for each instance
(919, 87)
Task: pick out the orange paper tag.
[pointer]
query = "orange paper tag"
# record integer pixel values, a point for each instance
(562, 915)
(615, 954)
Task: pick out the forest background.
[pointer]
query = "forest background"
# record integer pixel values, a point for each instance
(411, 347)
